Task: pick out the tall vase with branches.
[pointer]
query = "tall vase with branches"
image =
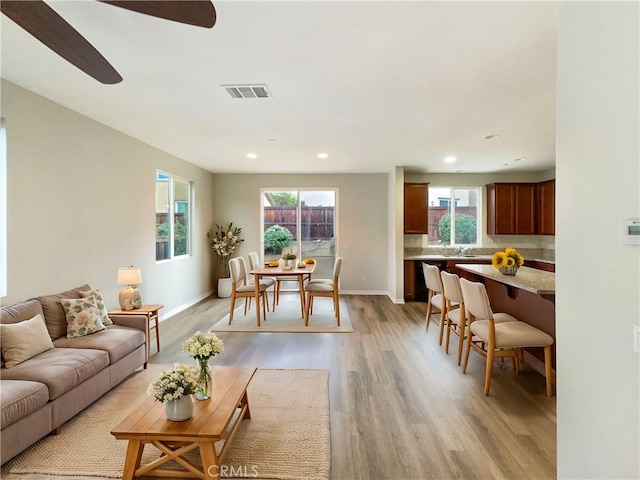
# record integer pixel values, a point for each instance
(224, 240)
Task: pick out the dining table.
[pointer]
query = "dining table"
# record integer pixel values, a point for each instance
(299, 271)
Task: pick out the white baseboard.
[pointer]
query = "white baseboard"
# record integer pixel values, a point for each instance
(184, 306)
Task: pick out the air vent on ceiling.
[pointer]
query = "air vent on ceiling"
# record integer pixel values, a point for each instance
(247, 91)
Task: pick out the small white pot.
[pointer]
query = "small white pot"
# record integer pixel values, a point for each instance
(180, 409)
(224, 287)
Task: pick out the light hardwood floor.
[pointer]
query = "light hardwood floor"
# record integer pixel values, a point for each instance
(400, 407)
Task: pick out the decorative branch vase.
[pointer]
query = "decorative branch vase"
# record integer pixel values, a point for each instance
(180, 409)
(508, 270)
(203, 387)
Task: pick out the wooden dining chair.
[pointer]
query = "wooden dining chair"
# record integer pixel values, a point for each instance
(254, 262)
(240, 288)
(456, 316)
(324, 289)
(435, 299)
(500, 335)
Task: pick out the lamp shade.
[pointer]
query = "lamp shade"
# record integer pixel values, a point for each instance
(129, 276)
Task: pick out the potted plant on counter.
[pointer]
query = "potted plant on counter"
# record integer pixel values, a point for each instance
(224, 240)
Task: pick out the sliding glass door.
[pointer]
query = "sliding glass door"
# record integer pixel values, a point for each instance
(303, 222)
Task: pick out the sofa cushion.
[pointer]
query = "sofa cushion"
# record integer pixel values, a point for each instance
(83, 316)
(19, 312)
(24, 340)
(20, 398)
(54, 315)
(104, 316)
(60, 369)
(116, 340)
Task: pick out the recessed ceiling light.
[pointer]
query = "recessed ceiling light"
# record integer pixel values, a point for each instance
(518, 159)
(492, 136)
(252, 155)
(323, 155)
(450, 159)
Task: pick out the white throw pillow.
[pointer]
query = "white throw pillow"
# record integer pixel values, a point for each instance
(83, 316)
(104, 316)
(24, 340)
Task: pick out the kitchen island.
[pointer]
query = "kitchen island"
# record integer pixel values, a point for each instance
(529, 295)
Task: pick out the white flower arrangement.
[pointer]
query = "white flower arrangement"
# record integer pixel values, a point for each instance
(203, 346)
(224, 242)
(174, 384)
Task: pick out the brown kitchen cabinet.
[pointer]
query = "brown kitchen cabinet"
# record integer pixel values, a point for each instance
(547, 207)
(416, 197)
(409, 280)
(511, 209)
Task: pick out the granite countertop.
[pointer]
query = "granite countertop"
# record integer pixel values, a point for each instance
(529, 279)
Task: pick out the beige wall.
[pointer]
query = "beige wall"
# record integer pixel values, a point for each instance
(362, 220)
(597, 276)
(81, 203)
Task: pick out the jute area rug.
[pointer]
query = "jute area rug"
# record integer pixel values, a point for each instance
(287, 437)
(287, 317)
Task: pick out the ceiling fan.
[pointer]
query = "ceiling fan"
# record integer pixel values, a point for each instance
(41, 21)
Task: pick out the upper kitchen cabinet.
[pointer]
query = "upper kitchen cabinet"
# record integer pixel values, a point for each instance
(416, 196)
(547, 207)
(511, 208)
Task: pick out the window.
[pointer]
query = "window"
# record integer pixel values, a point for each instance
(173, 216)
(459, 204)
(302, 221)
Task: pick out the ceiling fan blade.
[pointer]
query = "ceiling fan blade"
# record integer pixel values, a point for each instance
(200, 13)
(41, 21)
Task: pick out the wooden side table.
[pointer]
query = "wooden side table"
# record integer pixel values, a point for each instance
(153, 320)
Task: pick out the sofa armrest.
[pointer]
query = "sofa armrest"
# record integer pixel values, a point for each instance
(139, 322)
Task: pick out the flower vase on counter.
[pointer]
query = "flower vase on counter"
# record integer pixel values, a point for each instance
(507, 262)
(508, 270)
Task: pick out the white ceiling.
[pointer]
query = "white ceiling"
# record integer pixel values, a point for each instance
(374, 84)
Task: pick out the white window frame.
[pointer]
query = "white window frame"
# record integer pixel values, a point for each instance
(171, 214)
(452, 206)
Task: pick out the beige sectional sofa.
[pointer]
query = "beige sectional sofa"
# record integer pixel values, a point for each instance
(45, 389)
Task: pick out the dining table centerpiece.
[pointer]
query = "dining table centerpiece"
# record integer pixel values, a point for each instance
(201, 347)
(507, 262)
(174, 388)
(224, 241)
(289, 260)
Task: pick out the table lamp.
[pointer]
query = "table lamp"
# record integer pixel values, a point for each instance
(129, 297)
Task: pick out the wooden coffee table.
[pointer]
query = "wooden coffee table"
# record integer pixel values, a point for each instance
(213, 419)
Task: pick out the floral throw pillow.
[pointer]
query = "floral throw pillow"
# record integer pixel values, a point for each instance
(104, 316)
(83, 316)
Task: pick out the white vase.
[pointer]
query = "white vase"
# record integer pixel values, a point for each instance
(180, 409)
(224, 287)
(287, 264)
